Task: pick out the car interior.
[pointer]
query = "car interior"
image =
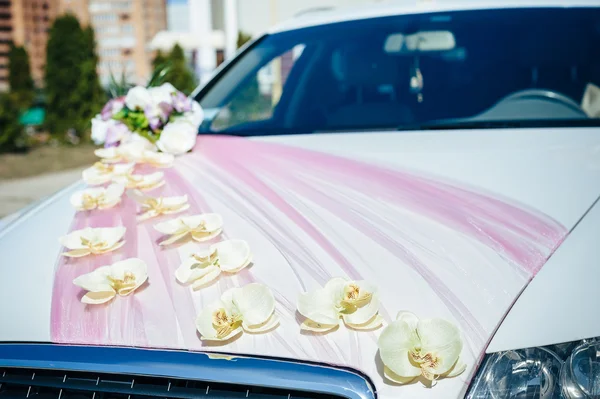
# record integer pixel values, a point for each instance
(487, 66)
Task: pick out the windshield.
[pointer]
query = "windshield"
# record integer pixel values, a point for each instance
(540, 66)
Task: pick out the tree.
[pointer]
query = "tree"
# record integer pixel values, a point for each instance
(72, 89)
(179, 74)
(242, 39)
(159, 60)
(12, 134)
(92, 95)
(19, 77)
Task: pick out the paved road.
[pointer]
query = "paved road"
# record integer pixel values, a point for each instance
(18, 193)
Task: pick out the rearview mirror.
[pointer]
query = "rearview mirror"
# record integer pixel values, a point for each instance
(425, 41)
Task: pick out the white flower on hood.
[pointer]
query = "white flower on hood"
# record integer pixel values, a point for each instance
(101, 173)
(92, 241)
(97, 197)
(201, 268)
(355, 302)
(141, 182)
(135, 151)
(201, 227)
(152, 207)
(177, 137)
(138, 98)
(410, 348)
(250, 308)
(120, 278)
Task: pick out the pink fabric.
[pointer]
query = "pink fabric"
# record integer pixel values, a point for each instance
(433, 246)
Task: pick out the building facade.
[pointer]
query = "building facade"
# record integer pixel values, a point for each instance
(25, 23)
(123, 30)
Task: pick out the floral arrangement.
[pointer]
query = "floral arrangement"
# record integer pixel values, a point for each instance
(161, 116)
(132, 128)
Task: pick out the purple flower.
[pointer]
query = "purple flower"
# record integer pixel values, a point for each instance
(152, 113)
(116, 133)
(181, 102)
(165, 111)
(111, 108)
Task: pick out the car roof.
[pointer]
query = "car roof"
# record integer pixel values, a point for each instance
(323, 15)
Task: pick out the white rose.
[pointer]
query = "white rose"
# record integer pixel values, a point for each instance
(177, 138)
(162, 94)
(138, 98)
(196, 116)
(99, 129)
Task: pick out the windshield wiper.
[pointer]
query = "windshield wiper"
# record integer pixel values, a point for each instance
(500, 124)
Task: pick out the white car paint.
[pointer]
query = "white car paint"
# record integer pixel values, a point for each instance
(554, 170)
(561, 303)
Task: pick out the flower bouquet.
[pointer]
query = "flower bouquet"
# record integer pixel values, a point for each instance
(162, 117)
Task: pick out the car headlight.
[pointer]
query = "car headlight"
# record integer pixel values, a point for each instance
(563, 371)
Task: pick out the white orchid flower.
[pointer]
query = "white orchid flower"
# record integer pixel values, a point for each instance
(156, 159)
(430, 348)
(106, 282)
(201, 227)
(101, 173)
(250, 308)
(141, 182)
(97, 197)
(126, 152)
(177, 137)
(92, 241)
(138, 98)
(201, 268)
(137, 152)
(152, 207)
(355, 302)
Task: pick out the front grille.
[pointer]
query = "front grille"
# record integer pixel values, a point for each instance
(56, 384)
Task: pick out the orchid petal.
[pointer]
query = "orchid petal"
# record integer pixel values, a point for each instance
(255, 302)
(312, 326)
(95, 281)
(374, 323)
(363, 314)
(109, 155)
(318, 306)
(458, 368)
(77, 253)
(204, 324)
(395, 343)
(191, 269)
(174, 238)
(390, 375)
(205, 236)
(211, 274)
(409, 318)
(267, 326)
(97, 298)
(135, 266)
(441, 338)
(233, 255)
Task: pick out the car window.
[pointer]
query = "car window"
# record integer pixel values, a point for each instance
(540, 64)
(257, 97)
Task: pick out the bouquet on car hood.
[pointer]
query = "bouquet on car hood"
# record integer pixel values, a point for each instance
(162, 116)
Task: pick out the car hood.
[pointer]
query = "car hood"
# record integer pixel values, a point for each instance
(450, 224)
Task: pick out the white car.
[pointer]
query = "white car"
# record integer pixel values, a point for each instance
(399, 200)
